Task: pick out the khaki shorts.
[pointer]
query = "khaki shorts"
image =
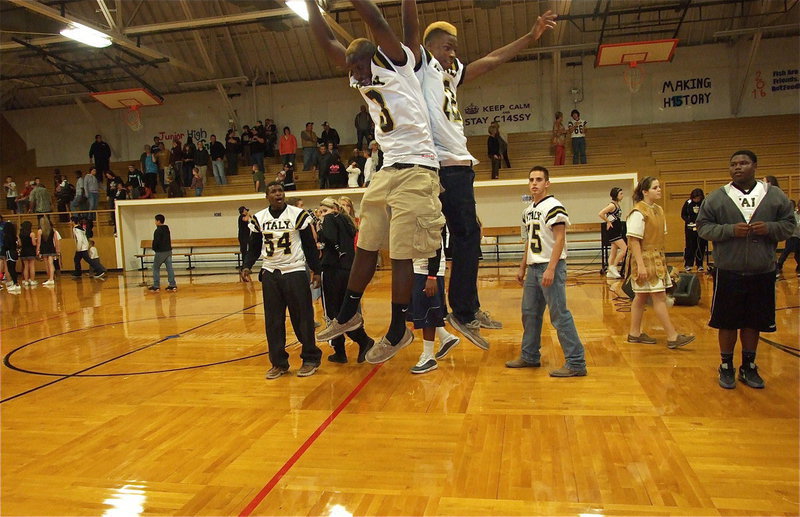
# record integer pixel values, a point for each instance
(401, 208)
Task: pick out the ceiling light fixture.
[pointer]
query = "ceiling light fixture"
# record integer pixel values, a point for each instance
(86, 35)
(300, 8)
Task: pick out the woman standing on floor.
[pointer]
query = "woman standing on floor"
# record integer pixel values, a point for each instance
(647, 265)
(336, 238)
(27, 254)
(696, 246)
(47, 248)
(612, 215)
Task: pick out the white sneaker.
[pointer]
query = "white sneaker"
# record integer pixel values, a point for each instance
(24, 282)
(49, 283)
(15, 289)
(32, 282)
(613, 272)
(425, 365)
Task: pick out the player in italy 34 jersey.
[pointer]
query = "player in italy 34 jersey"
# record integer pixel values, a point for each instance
(282, 235)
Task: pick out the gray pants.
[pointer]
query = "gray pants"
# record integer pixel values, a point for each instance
(163, 257)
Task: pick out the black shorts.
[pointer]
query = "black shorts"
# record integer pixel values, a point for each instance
(743, 301)
(426, 312)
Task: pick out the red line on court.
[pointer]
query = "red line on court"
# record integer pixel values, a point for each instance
(248, 510)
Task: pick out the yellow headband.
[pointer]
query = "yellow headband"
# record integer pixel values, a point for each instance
(449, 28)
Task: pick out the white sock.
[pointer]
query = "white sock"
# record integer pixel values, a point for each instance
(427, 349)
(443, 335)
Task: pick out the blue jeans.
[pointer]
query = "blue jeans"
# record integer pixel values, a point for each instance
(308, 157)
(458, 207)
(93, 198)
(219, 172)
(257, 158)
(534, 299)
(198, 191)
(163, 257)
(578, 150)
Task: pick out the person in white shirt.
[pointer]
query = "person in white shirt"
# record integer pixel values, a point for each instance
(543, 275)
(402, 201)
(82, 251)
(283, 237)
(441, 73)
(577, 130)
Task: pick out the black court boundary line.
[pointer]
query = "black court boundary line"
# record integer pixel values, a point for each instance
(783, 348)
(75, 374)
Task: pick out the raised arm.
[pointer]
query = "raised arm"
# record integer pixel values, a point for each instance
(411, 27)
(384, 37)
(324, 35)
(503, 54)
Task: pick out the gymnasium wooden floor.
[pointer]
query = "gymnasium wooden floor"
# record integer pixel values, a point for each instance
(117, 402)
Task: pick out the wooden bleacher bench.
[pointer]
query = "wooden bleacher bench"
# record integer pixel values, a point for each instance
(196, 247)
(594, 242)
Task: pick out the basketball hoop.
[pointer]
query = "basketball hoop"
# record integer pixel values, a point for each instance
(634, 77)
(133, 118)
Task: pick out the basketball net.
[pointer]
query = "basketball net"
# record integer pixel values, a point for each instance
(132, 118)
(634, 77)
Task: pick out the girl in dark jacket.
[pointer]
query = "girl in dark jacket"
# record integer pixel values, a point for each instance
(336, 239)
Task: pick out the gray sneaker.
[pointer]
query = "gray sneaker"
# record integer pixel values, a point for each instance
(486, 320)
(383, 350)
(469, 330)
(336, 329)
(680, 341)
(566, 371)
(276, 372)
(519, 362)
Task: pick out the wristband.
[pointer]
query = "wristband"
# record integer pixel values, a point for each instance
(431, 277)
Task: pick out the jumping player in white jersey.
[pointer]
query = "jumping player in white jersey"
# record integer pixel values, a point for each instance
(440, 74)
(402, 200)
(282, 235)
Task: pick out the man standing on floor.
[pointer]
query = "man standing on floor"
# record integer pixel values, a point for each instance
(440, 73)
(745, 219)
(162, 247)
(285, 239)
(543, 275)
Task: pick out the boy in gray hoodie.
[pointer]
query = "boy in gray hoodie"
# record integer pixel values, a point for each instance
(745, 219)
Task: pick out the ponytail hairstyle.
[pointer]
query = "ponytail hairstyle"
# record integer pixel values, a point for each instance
(614, 193)
(644, 184)
(334, 205)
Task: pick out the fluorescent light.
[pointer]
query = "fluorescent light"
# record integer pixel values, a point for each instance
(85, 35)
(299, 7)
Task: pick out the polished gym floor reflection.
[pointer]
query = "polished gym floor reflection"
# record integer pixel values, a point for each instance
(117, 402)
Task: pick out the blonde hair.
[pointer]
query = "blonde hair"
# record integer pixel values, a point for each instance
(352, 209)
(46, 227)
(447, 28)
(360, 47)
(331, 203)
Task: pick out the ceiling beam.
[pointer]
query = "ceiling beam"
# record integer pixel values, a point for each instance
(107, 15)
(122, 41)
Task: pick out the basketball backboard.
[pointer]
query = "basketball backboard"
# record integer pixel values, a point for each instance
(133, 98)
(658, 51)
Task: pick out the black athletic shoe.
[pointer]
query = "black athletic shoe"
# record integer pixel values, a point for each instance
(153, 289)
(172, 288)
(338, 358)
(362, 351)
(748, 374)
(727, 378)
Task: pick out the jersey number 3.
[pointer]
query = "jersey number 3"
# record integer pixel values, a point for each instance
(283, 242)
(387, 122)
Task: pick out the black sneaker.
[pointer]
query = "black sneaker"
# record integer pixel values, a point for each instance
(338, 358)
(362, 350)
(172, 288)
(153, 289)
(727, 378)
(748, 374)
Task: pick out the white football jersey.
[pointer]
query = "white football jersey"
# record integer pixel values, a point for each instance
(747, 203)
(439, 89)
(281, 248)
(539, 219)
(397, 107)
